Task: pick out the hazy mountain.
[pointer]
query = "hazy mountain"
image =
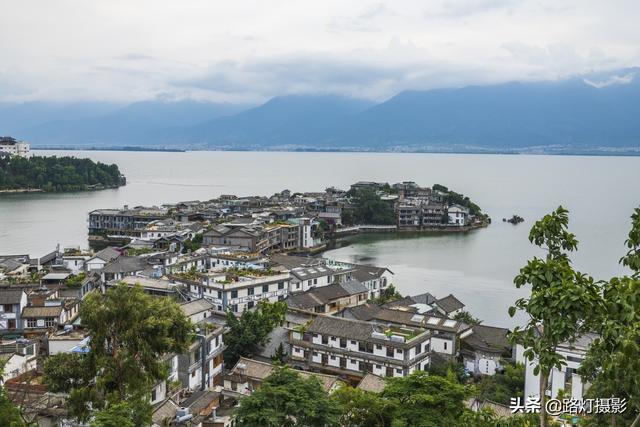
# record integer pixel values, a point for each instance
(127, 125)
(287, 120)
(16, 117)
(573, 115)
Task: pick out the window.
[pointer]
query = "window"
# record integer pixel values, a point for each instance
(445, 345)
(281, 285)
(32, 323)
(333, 358)
(315, 281)
(398, 371)
(265, 288)
(50, 321)
(234, 308)
(234, 294)
(297, 285)
(378, 347)
(250, 291)
(250, 305)
(399, 350)
(153, 395)
(8, 308)
(193, 374)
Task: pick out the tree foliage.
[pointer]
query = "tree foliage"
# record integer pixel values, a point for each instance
(66, 371)
(502, 386)
(130, 332)
(425, 400)
(56, 173)
(9, 413)
(359, 408)
(561, 301)
(287, 399)
(250, 332)
(466, 317)
(613, 357)
(369, 208)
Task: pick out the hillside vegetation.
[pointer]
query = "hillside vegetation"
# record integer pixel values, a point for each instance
(57, 174)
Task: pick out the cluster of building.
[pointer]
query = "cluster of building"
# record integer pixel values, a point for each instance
(284, 222)
(336, 327)
(12, 147)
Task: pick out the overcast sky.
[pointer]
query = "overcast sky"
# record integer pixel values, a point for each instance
(248, 51)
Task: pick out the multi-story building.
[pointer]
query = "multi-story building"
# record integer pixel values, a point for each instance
(124, 222)
(565, 379)
(12, 302)
(330, 299)
(354, 348)
(458, 215)
(255, 239)
(13, 146)
(191, 373)
(237, 293)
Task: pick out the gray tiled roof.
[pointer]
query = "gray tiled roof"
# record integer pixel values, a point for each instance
(338, 327)
(324, 294)
(449, 303)
(125, 264)
(488, 338)
(40, 311)
(10, 296)
(364, 273)
(108, 254)
(196, 306)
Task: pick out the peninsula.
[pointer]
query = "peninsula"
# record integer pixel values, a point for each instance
(287, 221)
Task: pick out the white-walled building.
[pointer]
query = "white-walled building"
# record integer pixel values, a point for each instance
(238, 293)
(14, 147)
(566, 378)
(12, 302)
(355, 348)
(458, 215)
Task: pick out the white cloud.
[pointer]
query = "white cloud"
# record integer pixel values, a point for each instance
(249, 50)
(613, 80)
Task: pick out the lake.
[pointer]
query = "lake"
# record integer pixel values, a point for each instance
(478, 267)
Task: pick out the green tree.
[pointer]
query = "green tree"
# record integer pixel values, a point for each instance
(369, 208)
(130, 331)
(502, 386)
(9, 413)
(424, 400)
(280, 355)
(249, 333)
(561, 300)
(66, 371)
(287, 399)
(466, 317)
(613, 356)
(360, 408)
(131, 413)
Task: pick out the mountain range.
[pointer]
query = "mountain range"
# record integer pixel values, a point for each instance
(583, 114)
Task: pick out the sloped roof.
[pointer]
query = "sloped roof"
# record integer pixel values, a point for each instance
(125, 264)
(488, 338)
(258, 370)
(449, 303)
(325, 294)
(41, 311)
(10, 296)
(107, 254)
(371, 383)
(364, 273)
(196, 306)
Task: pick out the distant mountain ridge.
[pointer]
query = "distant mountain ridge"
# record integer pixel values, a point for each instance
(586, 113)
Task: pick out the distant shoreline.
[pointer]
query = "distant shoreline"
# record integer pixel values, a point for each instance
(538, 152)
(141, 149)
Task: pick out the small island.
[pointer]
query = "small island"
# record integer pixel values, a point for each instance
(56, 174)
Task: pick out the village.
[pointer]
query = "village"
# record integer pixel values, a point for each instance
(345, 323)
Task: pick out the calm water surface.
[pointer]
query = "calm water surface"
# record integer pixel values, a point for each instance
(478, 267)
